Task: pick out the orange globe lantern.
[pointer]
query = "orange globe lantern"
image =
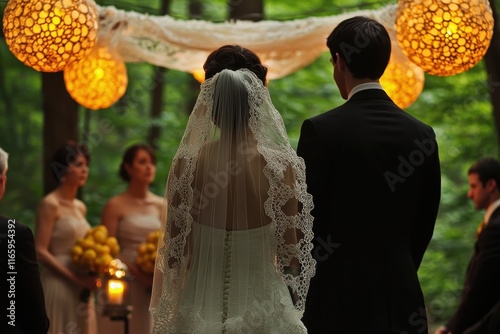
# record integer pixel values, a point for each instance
(402, 80)
(444, 37)
(199, 75)
(47, 35)
(98, 80)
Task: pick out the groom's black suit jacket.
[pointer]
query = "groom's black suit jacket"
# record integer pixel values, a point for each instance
(21, 287)
(373, 171)
(481, 293)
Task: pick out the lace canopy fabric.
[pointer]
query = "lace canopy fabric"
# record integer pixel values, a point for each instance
(284, 47)
(236, 253)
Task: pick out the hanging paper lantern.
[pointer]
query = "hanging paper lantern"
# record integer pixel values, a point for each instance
(98, 80)
(444, 37)
(199, 75)
(402, 80)
(47, 35)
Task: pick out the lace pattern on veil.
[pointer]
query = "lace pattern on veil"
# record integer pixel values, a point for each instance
(241, 188)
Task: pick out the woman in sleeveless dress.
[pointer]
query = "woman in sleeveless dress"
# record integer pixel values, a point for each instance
(130, 217)
(235, 256)
(60, 221)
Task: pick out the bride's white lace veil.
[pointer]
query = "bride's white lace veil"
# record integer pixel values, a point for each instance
(234, 174)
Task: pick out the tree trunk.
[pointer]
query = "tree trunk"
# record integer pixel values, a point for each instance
(493, 68)
(156, 105)
(249, 10)
(157, 93)
(60, 122)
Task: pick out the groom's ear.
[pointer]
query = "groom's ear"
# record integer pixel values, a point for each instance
(491, 185)
(340, 62)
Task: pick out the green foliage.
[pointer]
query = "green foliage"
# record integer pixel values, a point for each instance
(305, 93)
(128, 122)
(457, 107)
(20, 135)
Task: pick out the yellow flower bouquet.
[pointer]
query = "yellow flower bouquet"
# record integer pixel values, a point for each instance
(93, 253)
(146, 253)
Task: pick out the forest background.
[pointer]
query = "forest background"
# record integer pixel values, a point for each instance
(459, 108)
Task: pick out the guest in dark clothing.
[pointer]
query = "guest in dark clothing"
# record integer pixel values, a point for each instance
(481, 293)
(23, 295)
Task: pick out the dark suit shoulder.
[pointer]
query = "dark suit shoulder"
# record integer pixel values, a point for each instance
(368, 105)
(20, 228)
(5, 222)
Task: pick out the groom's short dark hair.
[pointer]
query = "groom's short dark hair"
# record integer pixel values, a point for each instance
(364, 44)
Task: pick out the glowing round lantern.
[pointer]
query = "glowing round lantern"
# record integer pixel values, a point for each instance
(199, 75)
(444, 37)
(402, 80)
(98, 80)
(47, 35)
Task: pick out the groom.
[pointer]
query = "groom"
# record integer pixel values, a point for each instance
(373, 171)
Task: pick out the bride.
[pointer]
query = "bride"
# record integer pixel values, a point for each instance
(235, 256)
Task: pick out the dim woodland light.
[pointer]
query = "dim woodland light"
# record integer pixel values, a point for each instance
(402, 80)
(47, 35)
(98, 80)
(444, 37)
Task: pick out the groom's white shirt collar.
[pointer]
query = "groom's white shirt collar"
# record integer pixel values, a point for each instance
(364, 86)
(489, 211)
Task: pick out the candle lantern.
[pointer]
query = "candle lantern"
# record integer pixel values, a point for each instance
(116, 293)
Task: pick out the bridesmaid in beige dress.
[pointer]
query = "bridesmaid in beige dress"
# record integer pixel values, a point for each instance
(60, 221)
(130, 217)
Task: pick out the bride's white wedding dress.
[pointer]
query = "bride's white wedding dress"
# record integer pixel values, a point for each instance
(243, 292)
(235, 256)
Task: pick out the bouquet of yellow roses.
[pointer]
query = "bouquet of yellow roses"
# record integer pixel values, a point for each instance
(146, 253)
(94, 252)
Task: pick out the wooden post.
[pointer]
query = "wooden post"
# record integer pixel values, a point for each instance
(60, 122)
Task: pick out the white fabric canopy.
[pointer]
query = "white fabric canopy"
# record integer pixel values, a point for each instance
(284, 46)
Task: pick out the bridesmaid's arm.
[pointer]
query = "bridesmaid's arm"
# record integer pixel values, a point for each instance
(46, 217)
(110, 217)
(82, 207)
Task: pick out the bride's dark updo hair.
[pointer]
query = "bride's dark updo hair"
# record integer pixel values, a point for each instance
(234, 57)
